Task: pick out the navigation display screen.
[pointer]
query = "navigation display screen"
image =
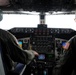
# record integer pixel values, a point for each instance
(20, 43)
(41, 57)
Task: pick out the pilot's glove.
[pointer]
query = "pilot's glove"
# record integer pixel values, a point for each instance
(31, 55)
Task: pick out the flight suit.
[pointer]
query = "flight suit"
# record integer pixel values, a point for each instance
(12, 52)
(69, 60)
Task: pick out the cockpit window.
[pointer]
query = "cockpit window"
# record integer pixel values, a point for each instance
(21, 20)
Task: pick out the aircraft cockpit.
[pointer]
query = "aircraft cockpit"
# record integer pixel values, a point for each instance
(46, 30)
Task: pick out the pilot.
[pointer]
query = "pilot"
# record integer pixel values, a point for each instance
(68, 66)
(13, 52)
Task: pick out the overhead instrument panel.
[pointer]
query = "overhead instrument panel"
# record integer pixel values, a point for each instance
(38, 5)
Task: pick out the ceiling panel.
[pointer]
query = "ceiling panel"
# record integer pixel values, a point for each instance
(4, 2)
(38, 5)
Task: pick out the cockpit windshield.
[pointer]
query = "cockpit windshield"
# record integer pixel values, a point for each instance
(32, 20)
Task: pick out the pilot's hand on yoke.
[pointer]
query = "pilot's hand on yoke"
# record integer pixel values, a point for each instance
(35, 53)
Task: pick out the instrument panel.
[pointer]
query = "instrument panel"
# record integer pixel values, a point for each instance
(47, 42)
